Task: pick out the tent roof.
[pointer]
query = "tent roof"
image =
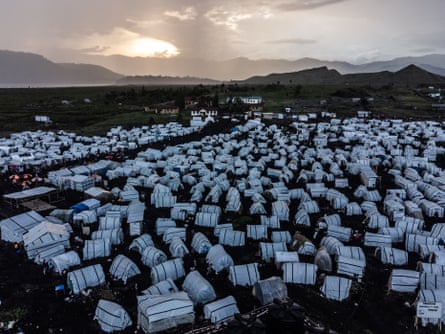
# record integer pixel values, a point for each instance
(33, 192)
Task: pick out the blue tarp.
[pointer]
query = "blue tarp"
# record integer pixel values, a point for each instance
(79, 207)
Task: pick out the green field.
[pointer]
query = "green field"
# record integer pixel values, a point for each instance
(111, 106)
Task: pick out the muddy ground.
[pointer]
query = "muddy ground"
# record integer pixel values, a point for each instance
(370, 309)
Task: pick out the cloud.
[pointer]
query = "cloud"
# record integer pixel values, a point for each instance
(97, 49)
(225, 17)
(293, 41)
(186, 15)
(305, 4)
(424, 50)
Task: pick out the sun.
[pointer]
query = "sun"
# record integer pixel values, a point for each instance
(150, 47)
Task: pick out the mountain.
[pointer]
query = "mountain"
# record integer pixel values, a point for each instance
(28, 69)
(163, 80)
(408, 76)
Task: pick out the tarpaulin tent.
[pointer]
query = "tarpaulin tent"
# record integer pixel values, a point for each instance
(158, 313)
(87, 277)
(111, 316)
(141, 242)
(116, 236)
(244, 274)
(268, 249)
(221, 310)
(299, 273)
(336, 288)
(93, 249)
(177, 247)
(232, 238)
(267, 290)
(173, 269)
(200, 243)
(218, 259)
(151, 256)
(123, 268)
(62, 262)
(198, 288)
(162, 288)
(13, 228)
(403, 280)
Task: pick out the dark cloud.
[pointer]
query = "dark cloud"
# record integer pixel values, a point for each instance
(305, 4)
(293, 41)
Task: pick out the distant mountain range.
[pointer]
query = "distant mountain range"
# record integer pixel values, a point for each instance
(27, 69)
(411, 75)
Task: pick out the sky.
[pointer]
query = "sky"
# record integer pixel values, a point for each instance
(357, 31)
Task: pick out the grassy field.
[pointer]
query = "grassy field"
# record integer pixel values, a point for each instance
(94, 110)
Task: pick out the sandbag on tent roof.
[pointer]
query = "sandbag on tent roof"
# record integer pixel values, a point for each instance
(402, 280)
(164, 287)
(393, 256)
(218, 259)
(268, 249)
(200, 243)
(141, 242)
(198, 288)
(123, 268)
(13, 228)
(177, 247)
(232, 238)
(244, 274)
(43, 236)
(151, 256)
(299, 273)
(221, 310)
(336, 288)
(431, 297)
(93, 249)
(64, 261)
(111, 316)
(173, 269)
(161, 312)
(116, 236)
(267, 290)
(87, 277)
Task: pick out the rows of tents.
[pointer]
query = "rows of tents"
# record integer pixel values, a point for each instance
(282, 178)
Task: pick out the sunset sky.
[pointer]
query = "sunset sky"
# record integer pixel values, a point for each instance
(357, 31)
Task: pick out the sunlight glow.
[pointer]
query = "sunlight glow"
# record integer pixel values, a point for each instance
(150, 47)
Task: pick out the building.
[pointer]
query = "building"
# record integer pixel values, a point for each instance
(363, 113)
(163, 108)
(204, 113)
(255, 103)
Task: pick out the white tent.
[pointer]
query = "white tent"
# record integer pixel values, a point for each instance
(151, 256)
(163, 224)
(111, 316)
(268, 249)
(350, 266)
(221, 310)
(162, 288)
(93, 249)
(173, 232)
(403, 280)
(123, 268)
(141, 242)
(161, 312)
(332, 245)
(267, 290)
(43, 236)
(377, 240)
(393, 256)
(299, 273)
(87, 277)
(336, 288)
(256, 232)
(413, 241)
(13, 228)
(86, 217)
(430, 281)
(270, 221)
(198, 288)
(45, 254)
(431, 297)
(200, 243)
(218, 228)
(173, 269)
(341, 233)
(218, 259)
(206, 219)
(116, 236)
(281, 236)
(244, 274)
(232, 238)
(177, 247)
(64, 261)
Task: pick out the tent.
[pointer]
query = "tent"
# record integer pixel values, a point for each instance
(86, 217)
(200, 243)
(172, 232)
(13, 228)
(351, 267)
(431, 297)
(44, 255)
(256, 232)
(341, 233)
(332, 245)
(268, 249)
(62, 262)
(430, 281)
(281, 236)
(377, 240)
(218, 259)
(163, 224)
(123, 268)
(161, 288)
(206, 219)
(336, 288)
(392, 256)
(116, 236)
(244, 274)
(87, 277)
(198, 288)
(172, 269)
(43, 236)
(232, 238)
(141, 242)
(221, 310)
(177, 247)
(158, 313)
(267, 290)
(299, 273)
(403, 280)
(151, 256)
(111, 316)
(93, 249)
